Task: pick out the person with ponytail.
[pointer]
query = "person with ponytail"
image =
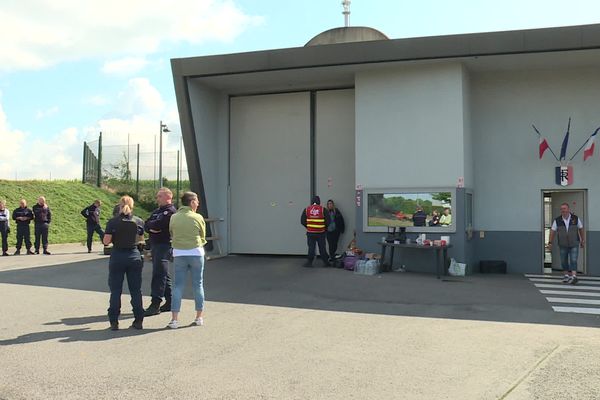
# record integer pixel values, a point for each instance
(125, 231)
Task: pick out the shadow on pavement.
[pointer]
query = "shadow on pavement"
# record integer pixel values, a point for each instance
(282, 282)
(77, 335)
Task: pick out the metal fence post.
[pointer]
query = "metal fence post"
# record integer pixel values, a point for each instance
(137, 174)
(84, 159)
(99, 177)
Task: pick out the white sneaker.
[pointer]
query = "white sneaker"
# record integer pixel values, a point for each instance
(566, 278)
(173, 324)
(198, 322)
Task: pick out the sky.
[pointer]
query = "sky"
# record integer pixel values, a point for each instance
(70, 68)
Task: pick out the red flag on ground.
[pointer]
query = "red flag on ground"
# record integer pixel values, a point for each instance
(588, 151)
(543, 146)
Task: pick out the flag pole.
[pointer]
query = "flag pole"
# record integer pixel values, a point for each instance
(549, 148)
(583, 145)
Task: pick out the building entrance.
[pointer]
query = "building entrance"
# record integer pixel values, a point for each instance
(577, 200)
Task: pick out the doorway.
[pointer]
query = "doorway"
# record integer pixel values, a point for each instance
(552, 199)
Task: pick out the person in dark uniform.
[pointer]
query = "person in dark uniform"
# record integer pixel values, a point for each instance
(92, 219)
(419, 217)
(160, 244)
(335, 228)
(126, 233)
(42, 216)
(4, 226)
(23, 216)
(315, 220)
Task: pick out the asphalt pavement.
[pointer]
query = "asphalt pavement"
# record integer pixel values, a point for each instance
(275, 330)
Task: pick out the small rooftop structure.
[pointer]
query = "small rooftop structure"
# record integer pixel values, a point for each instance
(347, 35)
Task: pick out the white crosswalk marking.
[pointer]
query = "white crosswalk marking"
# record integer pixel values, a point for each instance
(577, 310)
(572, 301)
(575, 297)
(582, 278)
(564, 286)
(570, 293)
(555, 281)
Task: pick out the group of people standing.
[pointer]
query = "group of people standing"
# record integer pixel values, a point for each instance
(41, 216)
(180, 233)
(323, 226)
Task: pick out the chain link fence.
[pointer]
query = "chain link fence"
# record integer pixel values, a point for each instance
(125, 169)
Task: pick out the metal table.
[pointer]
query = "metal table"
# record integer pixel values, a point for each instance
(440, 256)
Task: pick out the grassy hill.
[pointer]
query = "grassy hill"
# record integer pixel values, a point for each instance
(66, 199)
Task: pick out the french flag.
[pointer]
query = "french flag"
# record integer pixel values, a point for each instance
(543, 146)
(588, 151)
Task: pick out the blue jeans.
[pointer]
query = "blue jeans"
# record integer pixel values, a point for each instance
(181, 265)
(568, 258)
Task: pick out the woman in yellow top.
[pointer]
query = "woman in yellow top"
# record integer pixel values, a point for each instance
(188, 237)
(446, 218)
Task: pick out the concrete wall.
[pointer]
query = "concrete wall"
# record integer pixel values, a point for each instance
(509, 176)
(210, 114)
(412, 131)
(409, 127)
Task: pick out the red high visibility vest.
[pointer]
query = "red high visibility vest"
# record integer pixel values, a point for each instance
(315, 219)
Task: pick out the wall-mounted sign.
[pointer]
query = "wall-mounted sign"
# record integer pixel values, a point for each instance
(358, 198)
(564, 175)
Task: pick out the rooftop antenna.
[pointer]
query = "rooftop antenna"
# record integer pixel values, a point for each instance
(346, 12)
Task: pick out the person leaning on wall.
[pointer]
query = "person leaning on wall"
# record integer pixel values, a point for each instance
(126, 233)
(335, 228)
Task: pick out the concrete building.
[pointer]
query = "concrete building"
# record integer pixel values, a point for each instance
(372, 122)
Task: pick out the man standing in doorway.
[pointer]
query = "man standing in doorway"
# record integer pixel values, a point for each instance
(569, 229)
(160, 244)
(315, 219)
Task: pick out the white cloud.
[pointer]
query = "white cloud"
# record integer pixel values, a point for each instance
(124, 66)
(139, 98)
(26, 158)
(46, 113)
(137, 113)
(40, 33)
(136, 117)
(97, 100)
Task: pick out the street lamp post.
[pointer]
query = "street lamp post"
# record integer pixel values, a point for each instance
(163, 128)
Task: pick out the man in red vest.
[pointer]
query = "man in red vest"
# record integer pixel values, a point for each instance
(315, 220)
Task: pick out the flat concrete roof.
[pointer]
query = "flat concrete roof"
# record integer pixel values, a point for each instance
(583, 37)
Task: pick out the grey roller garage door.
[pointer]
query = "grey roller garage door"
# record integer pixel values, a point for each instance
(269, 172)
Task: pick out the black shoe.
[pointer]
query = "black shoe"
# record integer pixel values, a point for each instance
(166, 307)
(5, 254)
(37, 252)
(89, 250)
(153, 309)
(17, 253)
(46, 252)
(137, 324)
(114, 325)
(31, 252)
